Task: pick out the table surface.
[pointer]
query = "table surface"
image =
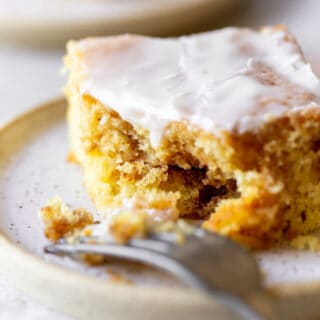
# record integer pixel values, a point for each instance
(30, 76)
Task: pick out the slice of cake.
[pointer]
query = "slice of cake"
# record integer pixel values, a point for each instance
(222, 126)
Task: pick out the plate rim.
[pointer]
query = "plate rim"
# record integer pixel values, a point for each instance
(58, 31)
(12, 254)
(145, 8)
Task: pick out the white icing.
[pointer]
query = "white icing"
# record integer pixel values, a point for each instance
(219, 80)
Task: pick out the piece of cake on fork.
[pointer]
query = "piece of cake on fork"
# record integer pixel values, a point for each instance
(222, 126)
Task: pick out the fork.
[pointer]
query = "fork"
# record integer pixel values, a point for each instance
(205, 261)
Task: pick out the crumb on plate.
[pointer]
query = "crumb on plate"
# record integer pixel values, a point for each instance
(59, 220)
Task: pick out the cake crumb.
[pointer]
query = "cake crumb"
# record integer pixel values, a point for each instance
(93, 259)
(306, 242)
(59, 220)
(116, 277)
(127, 225)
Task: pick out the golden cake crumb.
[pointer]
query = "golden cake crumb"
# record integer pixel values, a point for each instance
(116, 277)
(59, 220)
(93, 259)
(127, 225)
(306, 242)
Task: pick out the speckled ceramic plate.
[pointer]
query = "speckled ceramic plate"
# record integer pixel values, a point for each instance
(33, 168)
(56, 21)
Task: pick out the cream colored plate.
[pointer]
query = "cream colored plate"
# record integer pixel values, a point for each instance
(32, 169)
(56, 21)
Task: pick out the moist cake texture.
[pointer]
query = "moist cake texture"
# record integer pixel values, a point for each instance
(222, 126)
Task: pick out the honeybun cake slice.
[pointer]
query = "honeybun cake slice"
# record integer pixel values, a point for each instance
(222, 126)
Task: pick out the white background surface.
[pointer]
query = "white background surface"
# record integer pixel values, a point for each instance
(29, 76)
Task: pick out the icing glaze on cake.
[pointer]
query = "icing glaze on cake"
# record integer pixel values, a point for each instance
(232, 79)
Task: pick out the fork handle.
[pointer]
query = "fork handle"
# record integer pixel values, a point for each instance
(292, 306)
(269, 306)
(247, 310)
(260, 306)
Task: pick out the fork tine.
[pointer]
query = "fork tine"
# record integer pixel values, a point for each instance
(161, 242)
(150, 243)
(165, 237)
(171, 237)
(147, 256)
(84, 248)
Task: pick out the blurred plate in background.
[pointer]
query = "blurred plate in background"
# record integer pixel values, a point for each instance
(56, 21)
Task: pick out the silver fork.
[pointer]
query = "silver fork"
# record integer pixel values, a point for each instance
(205, 261)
